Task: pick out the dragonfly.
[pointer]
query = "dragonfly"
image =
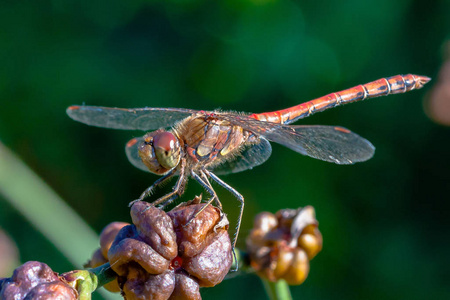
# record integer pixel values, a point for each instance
(204, 144)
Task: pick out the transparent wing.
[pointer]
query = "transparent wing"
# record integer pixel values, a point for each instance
(329, 143)
(131, 149)
(251, 156)
(130, 119)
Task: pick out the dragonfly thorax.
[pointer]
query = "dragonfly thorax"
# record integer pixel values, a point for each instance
(160, 151)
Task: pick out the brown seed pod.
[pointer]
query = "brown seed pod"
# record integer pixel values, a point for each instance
(99, 257)
(35, 280)
(108, 235)
(171, 255)
(280, 246)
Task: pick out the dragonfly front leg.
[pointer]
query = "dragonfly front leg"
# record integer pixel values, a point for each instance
(177, 190)
(150, 189)
(236, 194)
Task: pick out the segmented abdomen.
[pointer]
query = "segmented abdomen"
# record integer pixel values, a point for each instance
(381, 87)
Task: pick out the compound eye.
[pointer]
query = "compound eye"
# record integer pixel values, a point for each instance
(167, 149)
(165, 140)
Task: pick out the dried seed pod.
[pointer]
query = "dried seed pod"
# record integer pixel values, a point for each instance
(141, 285)
(310, 240)
(186, 287)
(99, 257)
(108, 235)
(299, 268)
(170, 256)
(280, 246)
(35, 280)
(155, 228)
(263, 224)
(204, 249)
(129, 248)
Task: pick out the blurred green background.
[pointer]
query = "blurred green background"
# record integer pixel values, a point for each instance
(385, 222)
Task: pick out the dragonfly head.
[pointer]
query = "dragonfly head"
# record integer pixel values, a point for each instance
(160, 151)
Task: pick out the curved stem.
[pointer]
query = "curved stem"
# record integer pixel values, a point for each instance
(104, 274)
(32, 197)
(43, 208)
(87, 281)
(277, 290)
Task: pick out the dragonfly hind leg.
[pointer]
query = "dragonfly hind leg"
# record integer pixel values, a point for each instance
(216, 198)
(203, 180)
(236, 194)
(223, 221)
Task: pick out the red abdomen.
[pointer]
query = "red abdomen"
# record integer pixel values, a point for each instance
(381, 87)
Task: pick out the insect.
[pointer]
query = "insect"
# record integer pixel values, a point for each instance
(205, 144)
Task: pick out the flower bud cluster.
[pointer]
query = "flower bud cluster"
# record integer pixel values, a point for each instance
(171, 255)
(280, 246)
(35, 280)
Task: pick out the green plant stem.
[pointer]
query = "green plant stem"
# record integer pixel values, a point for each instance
(33, 198)
(43, 208)
(104, 274)
(87, 281)
(277, 290)
(84, 281)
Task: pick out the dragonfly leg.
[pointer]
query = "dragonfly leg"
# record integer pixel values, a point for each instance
(223, 220)
(149, 190)
(177, 190)
(205, 179)
(207, 186)
(237, 195)
(167, 201)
